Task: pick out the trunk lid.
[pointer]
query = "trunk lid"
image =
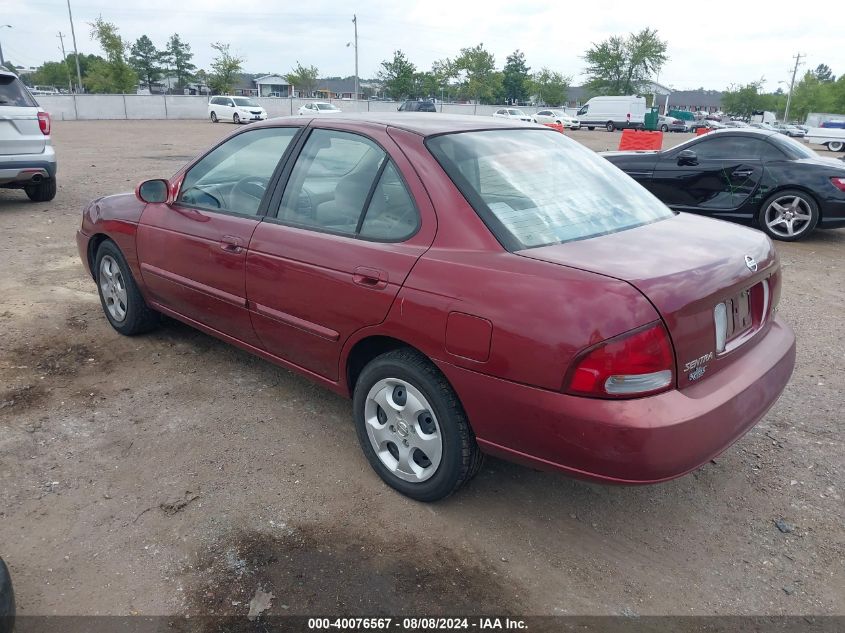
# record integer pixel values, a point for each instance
(685, 266)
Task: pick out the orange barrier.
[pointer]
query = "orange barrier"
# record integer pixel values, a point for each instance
(636, 139)
(555, 126)
(701, 130)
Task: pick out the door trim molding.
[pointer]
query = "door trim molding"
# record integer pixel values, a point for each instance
(194, 285)
(296, 322)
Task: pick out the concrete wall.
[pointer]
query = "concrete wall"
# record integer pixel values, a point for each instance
(95, 107)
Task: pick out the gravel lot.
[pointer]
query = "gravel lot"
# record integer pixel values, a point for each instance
(173, 474)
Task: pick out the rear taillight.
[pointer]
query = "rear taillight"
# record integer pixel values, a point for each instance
(633, 364)
(839, 183)
(44, 123)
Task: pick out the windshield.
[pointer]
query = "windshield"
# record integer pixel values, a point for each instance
(533, 187)
(325, 106)
(245, 101)
(13, 93)
(516, 113)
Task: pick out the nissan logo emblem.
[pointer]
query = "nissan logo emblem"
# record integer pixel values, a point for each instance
(751, 263)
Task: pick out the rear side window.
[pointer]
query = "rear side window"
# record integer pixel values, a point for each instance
(534, 188)
(344, 183)
(14, 93)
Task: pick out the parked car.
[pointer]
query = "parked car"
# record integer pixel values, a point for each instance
(613, 113)
(758, 125)
(235, 109)
(317, 108)
(417, 106)
(512, 113)
(413, 269)
(835, 124)
(7, 600)
(734, 124)
(670, 124)
(750, 176)
(789, 130)
(27, 157)
(44, 90)
(558, 117)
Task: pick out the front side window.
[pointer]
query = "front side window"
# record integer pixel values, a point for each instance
(534, 188)
(344, 183)
(234, 176)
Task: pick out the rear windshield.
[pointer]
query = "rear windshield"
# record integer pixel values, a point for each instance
(13, 93)
(536, 187)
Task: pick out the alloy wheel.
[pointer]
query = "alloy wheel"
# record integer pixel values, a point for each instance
(403, 430)
(788, 216)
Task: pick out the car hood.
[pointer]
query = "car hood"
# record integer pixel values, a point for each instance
(684, 265)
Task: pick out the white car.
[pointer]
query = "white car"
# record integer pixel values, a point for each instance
(319, 107)
(511, 113)
(235, 109)
(558, 117)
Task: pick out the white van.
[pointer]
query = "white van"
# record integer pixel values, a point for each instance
(613, 113)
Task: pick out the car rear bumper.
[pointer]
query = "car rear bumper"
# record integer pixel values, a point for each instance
(832, 214)
(22, 168)
(641, 441)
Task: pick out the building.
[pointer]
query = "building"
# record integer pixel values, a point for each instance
(334, 88)
(262, 85)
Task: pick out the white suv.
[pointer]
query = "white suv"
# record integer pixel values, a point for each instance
(235, 109)
(27, 158)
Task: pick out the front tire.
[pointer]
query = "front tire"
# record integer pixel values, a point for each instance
(123, 305)
(44, 191)
(835, 146)
(788, 215)
(214, 118)
(591, 128)
(412, 427)
(236, 119)
(664, 128)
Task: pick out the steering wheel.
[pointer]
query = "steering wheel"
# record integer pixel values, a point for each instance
(252, 186)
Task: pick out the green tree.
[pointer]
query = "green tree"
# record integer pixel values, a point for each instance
(303, 78)
(550, 87)
(178, 57)
(823, 73)
(622, 65)
(53, 74)
(813, 95)
(445, 71)
(426, 84)
(397, 76)
(112, 74)
(515, 78)
(742, 100)
(145, 60)
(481, 81)
(224, 69)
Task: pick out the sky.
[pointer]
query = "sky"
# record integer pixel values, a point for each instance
(708, 47)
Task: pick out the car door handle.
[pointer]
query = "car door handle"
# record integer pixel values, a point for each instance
(370, 277)
(231, 244)
(742, 173)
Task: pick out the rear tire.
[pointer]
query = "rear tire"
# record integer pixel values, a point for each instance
(610, 127)
(591, 128)
(785, 210)
(122, 303)
(214, 118)
(44, 191)
(440, 427)
(835, 146)
(664, 128)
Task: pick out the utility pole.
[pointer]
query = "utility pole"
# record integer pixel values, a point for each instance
(797, 59)
(355, 22)
(61, 37)
(75, 50)
(3, 61)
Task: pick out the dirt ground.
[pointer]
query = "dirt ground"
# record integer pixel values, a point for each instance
(173, 474)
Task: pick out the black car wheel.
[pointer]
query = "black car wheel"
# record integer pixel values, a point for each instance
(835, 146)
(610, 127)
(7, 600)
(44, 191)
(788, 215)
(122, 302)
(214, 117)
(591, 128)
(412, 427)
(664, 128)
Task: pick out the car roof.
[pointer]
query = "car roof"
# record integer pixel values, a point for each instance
(424, 124)
(4, 71)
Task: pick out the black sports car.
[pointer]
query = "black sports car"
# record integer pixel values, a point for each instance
(749, 176)
(7, 600)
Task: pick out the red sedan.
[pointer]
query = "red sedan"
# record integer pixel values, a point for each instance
(476, 286)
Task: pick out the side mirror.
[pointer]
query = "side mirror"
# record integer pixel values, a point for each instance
(151, 191)
(687, 157)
